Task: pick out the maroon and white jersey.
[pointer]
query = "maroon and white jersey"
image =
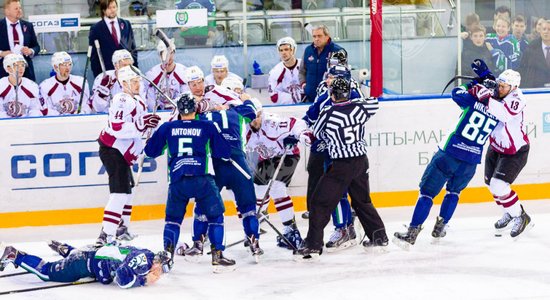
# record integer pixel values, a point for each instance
(217, 95)
(105, 88)
(27, 104)
(60, 98)
(125, 128)
(268, 140)
(209, 80)
(284, 84)
(171, 84)
(509, 135)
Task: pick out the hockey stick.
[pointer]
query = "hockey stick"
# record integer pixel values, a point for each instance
(278, 232)
(47, 287)
(137, 71)
(14, 274)
(270, 184)
(16, 83)
(456, 78)
(100, 55)
(237, 242)
(88, 55)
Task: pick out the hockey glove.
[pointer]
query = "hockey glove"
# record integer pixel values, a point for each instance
(481, 93)
(481, 69)
(204, 106)
(307, 138)
(148, 121)
(105, 85)
(290, 141)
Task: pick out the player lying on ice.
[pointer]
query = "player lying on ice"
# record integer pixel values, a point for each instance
(126, 266)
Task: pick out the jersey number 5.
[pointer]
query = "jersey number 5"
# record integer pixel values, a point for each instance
(478, 128)
(182, 149)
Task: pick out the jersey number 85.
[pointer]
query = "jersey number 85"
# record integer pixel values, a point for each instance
(478, 128)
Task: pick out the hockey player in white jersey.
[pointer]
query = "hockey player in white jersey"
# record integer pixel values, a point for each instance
(208, 97)
(106, 84)
(168, 76)
(266, 137)
(220, 71)
(18, 95)
(508, 152)
(284, 84)
(120, 144)
(60, 94)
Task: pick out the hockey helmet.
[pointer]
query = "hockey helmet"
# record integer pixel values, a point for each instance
(121, 54)
(61, 58)
(338, 57)
(192, 73)
(287, 41)
(11, 59)
(186, 103)
(340, 89)
(219, 62)
(511, 77)
(161, 49)
(126, 74)
(232, 83)
(340, 70)
(257, 104)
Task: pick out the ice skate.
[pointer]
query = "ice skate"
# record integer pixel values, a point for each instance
(221, 263)
(379, 244)
(306, 254)
(502, 224)
(181, 248)
(60, 248)
(305, 215)
(194, 253)
(521, 224)
(292, 234)
(405, 239)
(9, 255)
(254, 245)
(341, 239)
(122, 234)
(440, 230)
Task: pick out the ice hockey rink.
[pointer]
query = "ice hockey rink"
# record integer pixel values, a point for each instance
(469, 263)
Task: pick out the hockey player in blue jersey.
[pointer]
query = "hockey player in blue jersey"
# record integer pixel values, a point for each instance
(232, 123)
(126, 266)
(344, 232)
(455, 162)
(191, 144)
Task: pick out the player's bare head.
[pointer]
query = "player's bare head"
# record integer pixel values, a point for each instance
(166, 53)
(287, 48)
(340, 89)
(122, 58)
(62, 63)
(129, 80)
(321, 35)
(194, 78)
(220, 68)
(233, 84)
(14, 62)
(108, 8)
(256, 124)
(508, 81)
(186, 104)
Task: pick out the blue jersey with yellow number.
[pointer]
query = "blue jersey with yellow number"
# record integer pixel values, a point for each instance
(466, 140)
(190, 144)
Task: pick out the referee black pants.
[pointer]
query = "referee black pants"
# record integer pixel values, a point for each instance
(350, 174)
(315, 169)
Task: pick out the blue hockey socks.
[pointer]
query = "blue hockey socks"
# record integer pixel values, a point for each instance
(341, 215)
(421, 210)
(250, 221)
(448, 206)
(216, 232)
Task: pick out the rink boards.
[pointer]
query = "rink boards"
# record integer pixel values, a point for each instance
(51, 173)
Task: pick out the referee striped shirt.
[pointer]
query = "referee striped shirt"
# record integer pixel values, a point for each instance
(342, 127)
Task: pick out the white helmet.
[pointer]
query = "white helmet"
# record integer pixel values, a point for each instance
(219, 62)
(119, 55)
(161, 49)
(257, 104)
(232, 83)
(60, 58)
(287, 41)
(126, 74)
(510, 77)
(11, 59)
(192, 73)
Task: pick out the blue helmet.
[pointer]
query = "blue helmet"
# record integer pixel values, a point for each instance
(186, 103)
(340, 88)
(340, 70)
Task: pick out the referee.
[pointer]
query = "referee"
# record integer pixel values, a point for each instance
(342, 127)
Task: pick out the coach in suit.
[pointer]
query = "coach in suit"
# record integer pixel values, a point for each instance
(17, 36)
(535, 63)
(113, 33)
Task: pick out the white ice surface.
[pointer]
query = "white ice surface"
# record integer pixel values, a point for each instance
(469, 263)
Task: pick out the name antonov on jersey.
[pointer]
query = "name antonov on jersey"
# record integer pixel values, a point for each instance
(186, 131)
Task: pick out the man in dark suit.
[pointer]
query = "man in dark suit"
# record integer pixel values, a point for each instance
(113, 34)
(535, 63)
(17, 36)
